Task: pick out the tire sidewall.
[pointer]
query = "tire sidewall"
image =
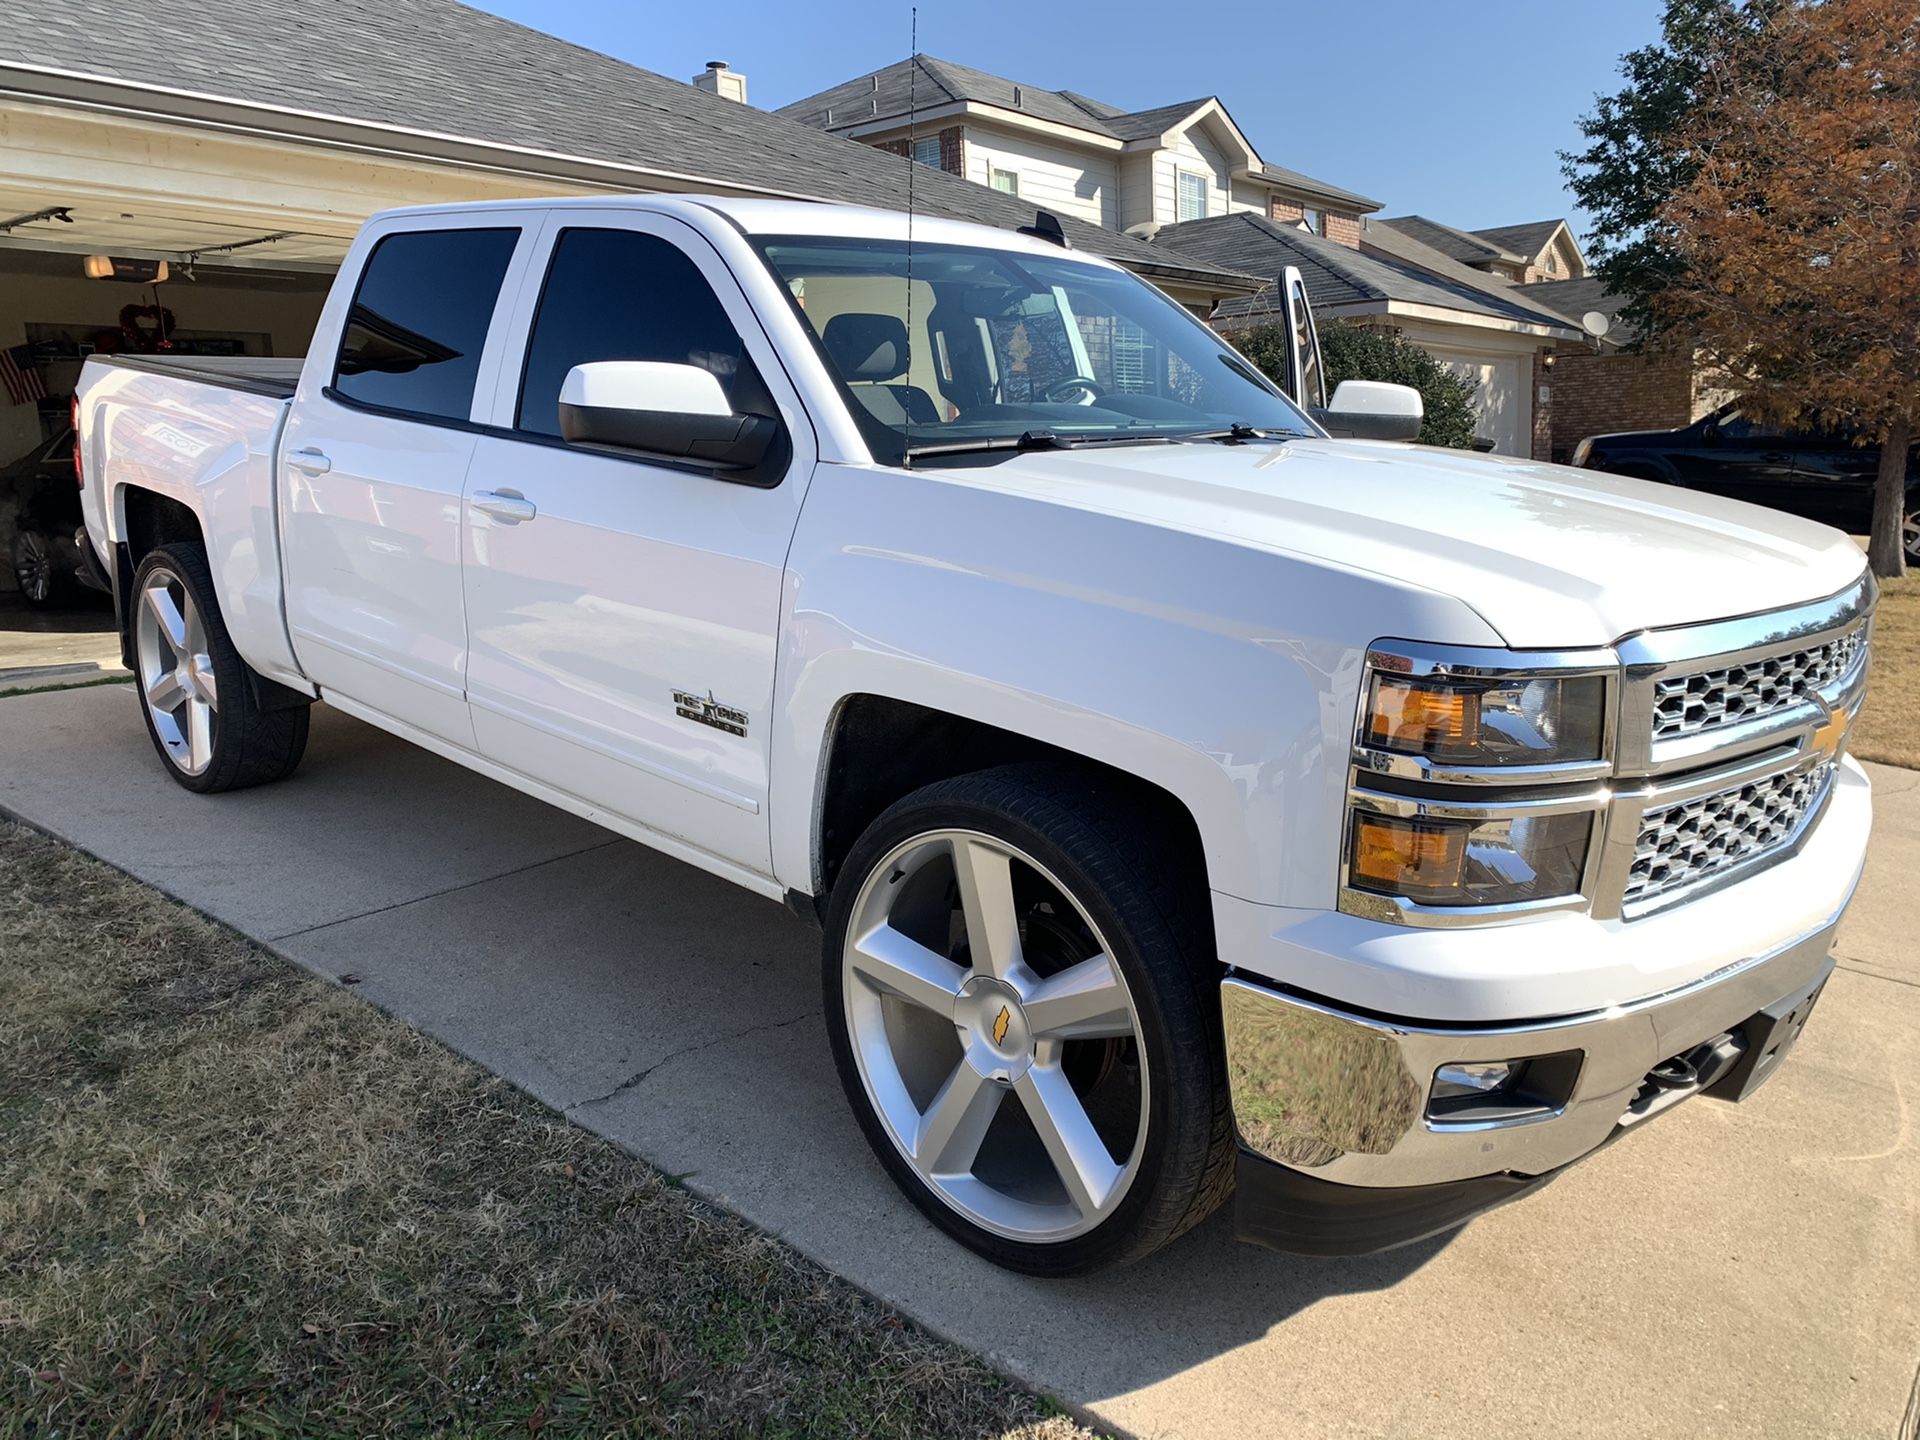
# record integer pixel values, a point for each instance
(1156, 989)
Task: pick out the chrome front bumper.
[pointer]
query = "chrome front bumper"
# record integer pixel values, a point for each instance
(1344, 1097)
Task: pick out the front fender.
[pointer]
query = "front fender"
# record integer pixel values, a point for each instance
(1223, 673)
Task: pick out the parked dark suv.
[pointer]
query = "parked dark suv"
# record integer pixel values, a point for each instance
(1819, 475)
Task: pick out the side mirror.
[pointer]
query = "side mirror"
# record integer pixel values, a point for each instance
(1710, 434)
(1373, 410)
(678, 412)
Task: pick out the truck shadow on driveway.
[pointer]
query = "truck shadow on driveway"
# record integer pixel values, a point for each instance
(680, 1017)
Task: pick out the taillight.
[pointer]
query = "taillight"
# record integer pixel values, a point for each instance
(79, 475)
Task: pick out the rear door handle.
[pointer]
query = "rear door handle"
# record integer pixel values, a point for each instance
(504, 505)
(310, 461)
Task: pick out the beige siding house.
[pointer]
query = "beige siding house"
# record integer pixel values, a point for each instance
(1069, 153)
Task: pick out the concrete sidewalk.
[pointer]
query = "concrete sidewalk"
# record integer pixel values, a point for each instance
(1742, 1270)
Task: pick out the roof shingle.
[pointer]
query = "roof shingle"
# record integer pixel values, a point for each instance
(1455, 244)
(1337, 275)
(443, 68)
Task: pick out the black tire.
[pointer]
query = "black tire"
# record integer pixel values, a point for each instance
(1150, 903)
(251, 745)
(44, 583)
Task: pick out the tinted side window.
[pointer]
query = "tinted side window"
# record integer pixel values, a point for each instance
(1736, 426)
(419, 320)
(622, 295)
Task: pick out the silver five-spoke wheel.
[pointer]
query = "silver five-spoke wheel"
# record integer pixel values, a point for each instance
(995, 1036)
(176, 671)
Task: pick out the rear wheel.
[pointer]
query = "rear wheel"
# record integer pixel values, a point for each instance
(1910, 536)
(1019, 1004)
(195, 692)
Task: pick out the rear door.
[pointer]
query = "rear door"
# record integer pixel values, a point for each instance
(623, 623)
(1834, 479)
(375, 455)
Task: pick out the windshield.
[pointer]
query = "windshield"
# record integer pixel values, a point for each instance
(1005, 347)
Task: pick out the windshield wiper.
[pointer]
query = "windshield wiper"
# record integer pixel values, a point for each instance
(1038, 440)
(1240, 430)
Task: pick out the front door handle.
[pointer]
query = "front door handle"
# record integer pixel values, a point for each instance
(504, 505)
(310, 461)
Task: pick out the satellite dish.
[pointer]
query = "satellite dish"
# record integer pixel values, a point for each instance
(1595, 324)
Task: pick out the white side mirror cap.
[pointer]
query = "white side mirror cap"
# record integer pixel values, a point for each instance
(1377, 397)
(648, 385)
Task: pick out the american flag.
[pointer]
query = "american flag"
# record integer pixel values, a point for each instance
(22, 376)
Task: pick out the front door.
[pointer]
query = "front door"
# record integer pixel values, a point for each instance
(622, 612)
(1735, 455)
(375, 457)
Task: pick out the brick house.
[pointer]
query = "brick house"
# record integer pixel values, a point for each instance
(1601, 386)
(1074, 155)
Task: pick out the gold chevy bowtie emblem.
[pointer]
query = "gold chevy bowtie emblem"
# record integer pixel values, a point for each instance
(1000, 1025)
(1827, 739)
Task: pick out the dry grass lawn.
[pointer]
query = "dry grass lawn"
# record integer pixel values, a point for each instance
(1888, 729)
(236, 1201)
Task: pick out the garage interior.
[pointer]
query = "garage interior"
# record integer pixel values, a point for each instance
(234, 285)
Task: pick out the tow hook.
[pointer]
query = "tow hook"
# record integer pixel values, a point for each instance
(1679, 1073)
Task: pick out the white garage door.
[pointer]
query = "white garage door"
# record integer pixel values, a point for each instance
(1500, 401)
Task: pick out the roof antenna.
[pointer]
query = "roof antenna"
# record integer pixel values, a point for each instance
(913, 164)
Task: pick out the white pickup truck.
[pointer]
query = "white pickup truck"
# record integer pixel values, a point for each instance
(1192, 803)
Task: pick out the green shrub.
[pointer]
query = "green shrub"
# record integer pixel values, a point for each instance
(1352, 353)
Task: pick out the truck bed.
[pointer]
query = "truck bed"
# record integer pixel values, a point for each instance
(275, 377)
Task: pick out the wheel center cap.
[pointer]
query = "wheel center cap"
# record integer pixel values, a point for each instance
(993, 1029)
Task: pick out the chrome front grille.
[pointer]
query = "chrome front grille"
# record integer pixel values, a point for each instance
(1709, 699)
(1697, 840)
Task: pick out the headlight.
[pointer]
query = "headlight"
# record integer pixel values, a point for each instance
(1538, 721)
(1478, 782)
(1495, 861)
(1580, 453)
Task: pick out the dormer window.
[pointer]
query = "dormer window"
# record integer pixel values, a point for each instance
(1313, 220)
(927, 152)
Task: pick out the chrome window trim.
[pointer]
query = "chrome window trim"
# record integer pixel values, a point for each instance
(1634, 773)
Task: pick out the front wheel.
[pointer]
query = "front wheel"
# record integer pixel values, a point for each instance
(1022, 1012)
(195, 692)
(36, 565)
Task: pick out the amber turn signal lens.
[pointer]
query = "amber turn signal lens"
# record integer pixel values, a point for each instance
(1423, 719)
(1408, 857)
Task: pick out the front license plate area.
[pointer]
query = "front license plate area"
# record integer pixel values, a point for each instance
(1769, 1034)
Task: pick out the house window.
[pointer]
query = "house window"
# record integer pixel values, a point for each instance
(927, 152)
(1311, 219)
(1006, 181)
(1553, 263)
(1190, 196)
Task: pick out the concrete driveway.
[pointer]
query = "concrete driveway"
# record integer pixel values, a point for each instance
(1743, 1270)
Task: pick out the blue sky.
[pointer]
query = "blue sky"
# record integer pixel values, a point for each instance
(1454, 112)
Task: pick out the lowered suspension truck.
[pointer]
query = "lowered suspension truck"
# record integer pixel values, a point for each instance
(1195, 805)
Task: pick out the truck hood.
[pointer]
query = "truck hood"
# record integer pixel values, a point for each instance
(1548, 556)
